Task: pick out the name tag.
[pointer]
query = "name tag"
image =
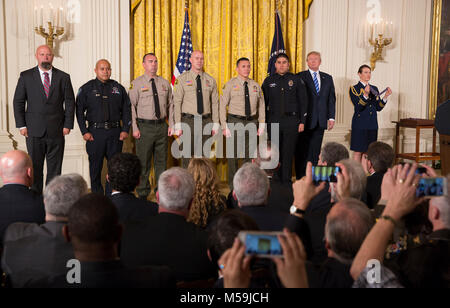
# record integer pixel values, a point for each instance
(273, 85)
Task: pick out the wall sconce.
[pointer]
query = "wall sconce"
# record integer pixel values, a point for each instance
(379, 35)
(55, 24)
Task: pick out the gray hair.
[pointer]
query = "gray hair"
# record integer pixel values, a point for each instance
(347, 226)
(443, 205)
(333, 152)
(62, 192)
(358, 178)
(176, 189)
(251, 185)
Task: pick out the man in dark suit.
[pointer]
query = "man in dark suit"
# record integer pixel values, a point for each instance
(44, 106)
(251, 190)
(17, 202)
(321, 113)
(168, 239)
(33, 251)
(124, 171)
(95, 233)
(380, 157)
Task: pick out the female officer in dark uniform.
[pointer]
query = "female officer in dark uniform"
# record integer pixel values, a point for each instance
(367, 102)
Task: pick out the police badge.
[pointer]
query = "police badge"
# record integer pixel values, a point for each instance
(291, 83)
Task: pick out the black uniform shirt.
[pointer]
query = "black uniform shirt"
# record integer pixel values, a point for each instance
(285, 95)
(99, 102)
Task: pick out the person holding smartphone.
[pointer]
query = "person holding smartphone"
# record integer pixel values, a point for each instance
(367, 102)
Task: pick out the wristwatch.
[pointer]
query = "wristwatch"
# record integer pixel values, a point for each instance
(295, 210)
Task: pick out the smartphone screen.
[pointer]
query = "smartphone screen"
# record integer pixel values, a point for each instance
(325, 173)
(432, 187)
(265, 245)
(421, 170)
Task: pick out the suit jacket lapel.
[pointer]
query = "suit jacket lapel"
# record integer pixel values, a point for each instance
(311, 82)
(38, 79)
(55, 79)
(323, 81)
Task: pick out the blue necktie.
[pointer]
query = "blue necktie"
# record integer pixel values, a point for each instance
(316, 82)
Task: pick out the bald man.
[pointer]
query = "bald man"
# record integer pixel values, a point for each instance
(102, 104)
(195, 95)
(44, 106)
(17, 202)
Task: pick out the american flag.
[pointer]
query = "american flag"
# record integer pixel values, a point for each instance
(277, 45)
(183, 63)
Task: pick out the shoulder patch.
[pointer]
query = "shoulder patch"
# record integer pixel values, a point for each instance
(176, 82)
(131, 86)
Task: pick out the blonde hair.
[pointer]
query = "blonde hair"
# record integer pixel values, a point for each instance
(207, 198)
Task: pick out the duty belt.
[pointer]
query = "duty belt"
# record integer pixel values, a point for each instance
(242, 117)
(105, 125)
(191, 116)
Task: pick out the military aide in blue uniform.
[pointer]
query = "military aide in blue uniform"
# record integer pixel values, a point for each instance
(367, 101)
(287, 105)
(103, 103)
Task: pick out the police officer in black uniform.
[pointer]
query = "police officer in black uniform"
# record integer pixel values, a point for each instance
(101, 105)
(286, 104)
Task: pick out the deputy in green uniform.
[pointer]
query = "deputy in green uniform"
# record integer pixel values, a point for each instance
(245, 101)
(151, 104)
(195, 95)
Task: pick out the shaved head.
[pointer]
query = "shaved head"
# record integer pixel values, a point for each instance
(44, 56)
(15, 167)
(103, 70)
(102, 62)
(197, 60)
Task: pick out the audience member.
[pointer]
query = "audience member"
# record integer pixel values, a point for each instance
(17, 202)
(379, 158)
(221, 238)
(331, 154)
(290, 269)
(124, 171)
(425, 266)
(168, 239)
(280, 197)
(95, 232)
(31, 251)
(347, 224)
(207, 202)
(350, 184)
(251, 190)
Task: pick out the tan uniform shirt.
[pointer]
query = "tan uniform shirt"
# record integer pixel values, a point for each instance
(234, 97)
(142, 100)
(185, 95)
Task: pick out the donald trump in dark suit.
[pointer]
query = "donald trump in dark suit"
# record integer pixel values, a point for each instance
(321, 113)
(44, 105)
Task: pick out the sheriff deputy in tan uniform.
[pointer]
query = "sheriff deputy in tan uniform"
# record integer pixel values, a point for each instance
(245, 101)
(151, 104)
(195, 94)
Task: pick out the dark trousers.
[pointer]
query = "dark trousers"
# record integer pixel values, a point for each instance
(308, 149)
(233, 163)
(106, 144)
(151, 146)
(45, 148)
(288, 140)
(197, 141)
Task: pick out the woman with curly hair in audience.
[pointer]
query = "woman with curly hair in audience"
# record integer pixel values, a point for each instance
(207, 202)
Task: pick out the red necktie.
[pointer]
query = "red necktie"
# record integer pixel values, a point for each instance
(46, 84)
